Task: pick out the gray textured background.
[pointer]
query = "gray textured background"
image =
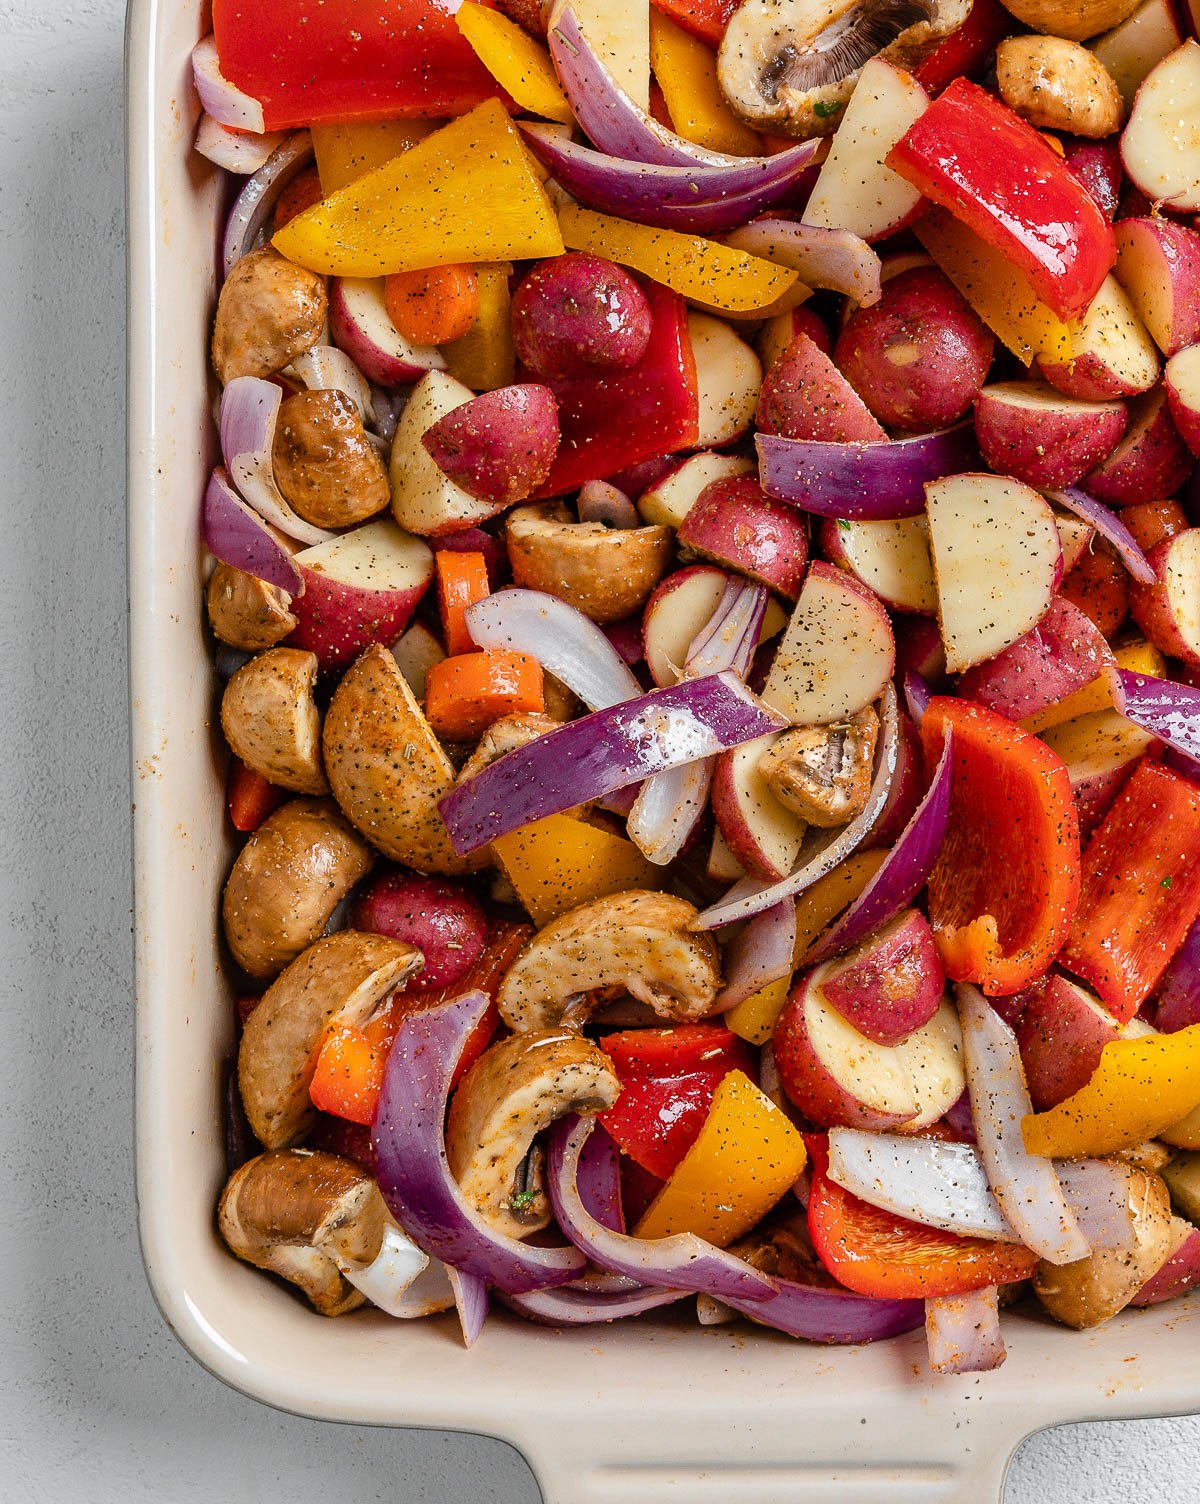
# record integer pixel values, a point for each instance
(97, 1404)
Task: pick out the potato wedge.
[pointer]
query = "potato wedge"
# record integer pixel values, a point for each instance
(270, 719)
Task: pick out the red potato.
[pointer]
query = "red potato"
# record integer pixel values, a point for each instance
(1162, 158)
(359, 588)
(442, 919)
(919, 356)
(905, 792)
(723, 866)
(680, 605)
(671, 496)
(805, 396)
(1179, 1274)
(1030, 431)
(839, 1078)
(1064, 652)
(1150, 461)
(891, 983)
(1135, 45)
(891, 558)
(1062, 1030)
(1097, 165)
(1074, 535)
(1158, 265)
(1099, 585)
(735, 525)
(764, 837)
(1100, 750)
(577, 314)
(1112, 352)
(498, 447)
(415, 652)
(728, 378)
(1181, 380)
(778, 333)
(919, 647)
(1168, 611)
(359, 325)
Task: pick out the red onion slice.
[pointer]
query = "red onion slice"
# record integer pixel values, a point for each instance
(564, 641)
(824, 1313)
(253, 205)
(249, 408)
(683, 1262)
(823, 850)
(904, 871)
(222, 100)
(470, 1301)
(1167, 710)
(837, 260)
(241, 152)
(609, 749)
(1024, 1184)
(578, 1306)
(1097, 1191)
(408, 1141)
(236, 535)
(693, 199)
(599, 1179)
(1109, 526)
(1179, 990)
(869, 482)
(917, 694)
(728, 640)
(964, 1332)
(326, 368)
(600, 502)
(762, 953)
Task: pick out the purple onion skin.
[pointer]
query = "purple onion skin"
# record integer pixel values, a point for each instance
(1179, 990)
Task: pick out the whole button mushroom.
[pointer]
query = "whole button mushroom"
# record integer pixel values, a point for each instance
(326, 467)
(269, 312)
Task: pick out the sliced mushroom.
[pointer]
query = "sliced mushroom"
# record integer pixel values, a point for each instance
(1058, 86)
(343, 978)
(294, 1211)
(387, 769)
(288, 879)
(270, 719)
(790, 66)
(638, 942)
(504, 736)
(512, 1093)
(823, 773)
(270, 311)
(324, 463)
(1089, 1291)
(246, 612)
(607, 573)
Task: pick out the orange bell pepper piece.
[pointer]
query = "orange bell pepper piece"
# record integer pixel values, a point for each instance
(462, 580)
(465, 694)
(557, 863)
(1006, 881)
(1141, 888)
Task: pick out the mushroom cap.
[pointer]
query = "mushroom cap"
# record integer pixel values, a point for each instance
(607, 573)
(270, 719)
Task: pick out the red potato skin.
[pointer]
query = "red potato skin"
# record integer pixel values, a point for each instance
(1150, 607)
(1150, 461)
(919, 647)
(578, 314)
(906, 792)
(1178, 1275)
(731, 822)
(500, 446)
(919, 357)
(1098, 166)
(779, 332)
(1060, 1038)
(378, 365)
(1099, 586)
(336, 621)
(1184, 415)
(662, 592)
(1169, 254)
(1048, 448)
(890, 984)
(442, 919)
(734, 524)
(1065, 651)
(805, 396)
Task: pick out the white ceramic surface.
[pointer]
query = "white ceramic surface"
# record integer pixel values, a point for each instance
(607, 1416)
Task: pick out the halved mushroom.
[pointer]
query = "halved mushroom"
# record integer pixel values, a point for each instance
(288, 879)
(1090, 1290)
(246, 612)
(1058, 86)
(790, 66)
(269, 312)
(607, 573)
(503, 736)
(295, 1212)
(512, 1093)
(823, 773)
(343, 978)
(324, 463)
(638, 942)
(270, 719)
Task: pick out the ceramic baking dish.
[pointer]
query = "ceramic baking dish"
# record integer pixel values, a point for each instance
(653, 1410)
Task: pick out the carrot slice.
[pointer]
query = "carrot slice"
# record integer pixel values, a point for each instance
(462, 580)
(464, 695)
(434, 305)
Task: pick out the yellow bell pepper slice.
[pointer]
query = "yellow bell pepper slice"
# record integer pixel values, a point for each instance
(466, 193)
(723, 279)
(1139, 1088)
(747, 1157)
(754, 1019)
(686, 71)
(995, 289)
(818, 906)
(1137, 657)
(485, 358)
(518, 63)
(561, 861)
(346, 153)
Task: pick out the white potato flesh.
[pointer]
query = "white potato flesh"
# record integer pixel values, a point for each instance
(1161, 143)
(670, 499)
(1130, 50)
(424, 498)
(892, 559)
(728, 376)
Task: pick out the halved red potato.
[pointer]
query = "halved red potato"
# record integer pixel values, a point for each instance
(1158, 265)
(735, 525)
(1138, 43)
(805, 396)
(359, 325)
(1150, 462)
(1168, 611)
(680, 605)
(1062, 1030)
(889, 557)
(1065, 651)
(1181, 380)
(891, 983)
(1112, 354)
(1034, 433)
(728, 378)
(780, 330)
(1160, 147)
(762, 835)
(673, 495)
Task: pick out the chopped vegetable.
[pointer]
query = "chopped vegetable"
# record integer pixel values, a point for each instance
(562, 861)
(518, 63)
(465, 694)
(434, 305)
(462, 579)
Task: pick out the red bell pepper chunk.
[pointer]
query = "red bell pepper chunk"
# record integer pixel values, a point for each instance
(612, 421)
(1141, 888)
(992, 170)
(877, 1253)
(706, 19)
(249, 797)
(965, 51)
(668, 1077)
(345, 60)
(1003, 890)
